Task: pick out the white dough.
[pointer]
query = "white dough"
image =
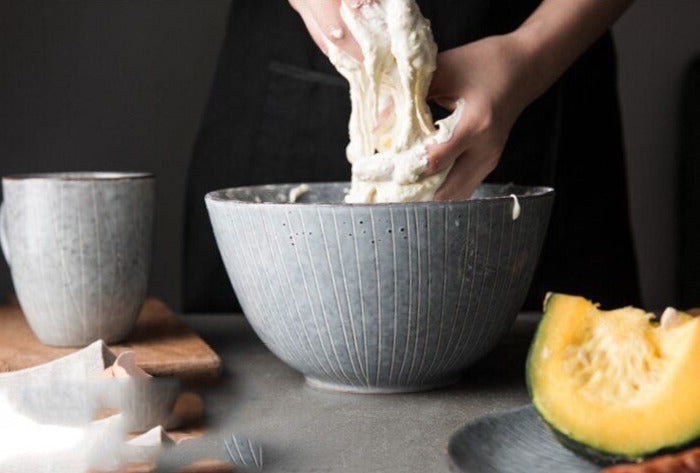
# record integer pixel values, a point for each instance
(297, 192)
(670, 318)
(516, 206)
(390, 123)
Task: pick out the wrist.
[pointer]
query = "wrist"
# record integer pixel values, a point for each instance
(524, 79)
(558, 32)
(534, 76)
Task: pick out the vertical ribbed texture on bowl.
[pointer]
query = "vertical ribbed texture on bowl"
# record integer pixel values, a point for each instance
(379, 298)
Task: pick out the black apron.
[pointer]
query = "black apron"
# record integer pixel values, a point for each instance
(278, 112)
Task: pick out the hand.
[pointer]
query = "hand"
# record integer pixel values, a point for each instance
(322, 19)
(500, 75)
(489, 75)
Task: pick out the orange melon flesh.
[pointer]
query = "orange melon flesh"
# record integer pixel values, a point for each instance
(616, 381)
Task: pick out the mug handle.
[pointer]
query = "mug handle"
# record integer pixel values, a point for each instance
(4, 243)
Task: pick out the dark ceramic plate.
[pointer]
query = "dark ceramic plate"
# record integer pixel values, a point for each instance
(515, 441)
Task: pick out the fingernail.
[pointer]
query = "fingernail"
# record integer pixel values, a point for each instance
(337, 33)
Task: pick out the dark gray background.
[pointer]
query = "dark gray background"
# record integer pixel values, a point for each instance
(121, 84)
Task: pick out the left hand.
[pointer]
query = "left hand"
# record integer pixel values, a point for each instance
(489, 75)
(322, 19)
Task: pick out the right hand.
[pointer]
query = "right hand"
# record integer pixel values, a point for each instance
(322, 19)
(489, 76)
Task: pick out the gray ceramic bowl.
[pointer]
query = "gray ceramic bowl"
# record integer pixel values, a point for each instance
(382, 297)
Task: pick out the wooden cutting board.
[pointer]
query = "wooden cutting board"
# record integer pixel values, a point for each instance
(164, 344)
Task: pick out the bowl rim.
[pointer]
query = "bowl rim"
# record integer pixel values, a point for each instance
(521, 192)
(80, 176)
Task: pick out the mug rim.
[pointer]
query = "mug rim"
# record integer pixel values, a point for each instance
(81, 176)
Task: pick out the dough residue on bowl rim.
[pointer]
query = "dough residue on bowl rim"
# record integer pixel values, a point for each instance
(296, 192)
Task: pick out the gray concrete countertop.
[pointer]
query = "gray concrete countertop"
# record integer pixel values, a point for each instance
(305, 430)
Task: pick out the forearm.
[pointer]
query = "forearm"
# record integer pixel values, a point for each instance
(557, 33)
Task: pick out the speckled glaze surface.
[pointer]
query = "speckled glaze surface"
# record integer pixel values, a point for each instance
(379, 298)
(515, 441)
(79, 250)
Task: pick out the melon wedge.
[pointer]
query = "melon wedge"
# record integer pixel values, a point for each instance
(616, 385)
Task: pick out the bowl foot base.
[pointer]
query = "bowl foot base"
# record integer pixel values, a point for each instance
(345, 388)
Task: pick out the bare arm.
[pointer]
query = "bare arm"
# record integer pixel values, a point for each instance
(499, 76)
(559, 31)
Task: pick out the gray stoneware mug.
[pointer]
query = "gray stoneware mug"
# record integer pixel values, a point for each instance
(79, 250)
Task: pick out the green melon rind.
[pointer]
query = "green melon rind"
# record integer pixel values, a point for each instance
(607, 458)
(595, 454)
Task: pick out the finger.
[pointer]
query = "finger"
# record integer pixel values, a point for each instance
(467, 174)
(443, 155)
(330, 26)
(302, 7)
